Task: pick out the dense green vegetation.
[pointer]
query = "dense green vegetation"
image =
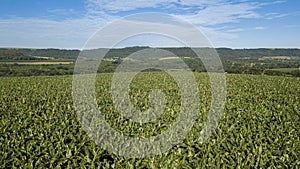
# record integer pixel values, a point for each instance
(34, 70)
(259, 129)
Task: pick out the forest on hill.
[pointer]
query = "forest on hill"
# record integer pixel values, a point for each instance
(224, 53)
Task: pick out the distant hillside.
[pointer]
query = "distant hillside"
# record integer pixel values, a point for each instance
(241, 61)
(56, 53)
(12, 54)
(224, 53)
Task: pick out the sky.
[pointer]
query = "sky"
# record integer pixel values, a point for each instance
(69, 24)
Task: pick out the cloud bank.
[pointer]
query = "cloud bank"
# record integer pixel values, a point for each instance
(209, 16)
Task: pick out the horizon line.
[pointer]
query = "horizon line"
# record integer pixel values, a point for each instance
(221, 47)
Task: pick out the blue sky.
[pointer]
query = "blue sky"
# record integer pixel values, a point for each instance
(226, 23)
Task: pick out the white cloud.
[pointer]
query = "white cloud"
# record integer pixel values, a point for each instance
(275, 15)
(265, 3)
(121, 5)
(220, 14)
(32, 32)
(210, 12)
(62, 11)
(260, 28)
(235, 30)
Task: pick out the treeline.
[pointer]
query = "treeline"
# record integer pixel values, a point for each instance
(224, 53)
(262, 71)
(11, 54)
(106, 66)
(35, 70)
(56, 53)
(256, 53)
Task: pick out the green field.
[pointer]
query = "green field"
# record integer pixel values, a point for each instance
(260, 127)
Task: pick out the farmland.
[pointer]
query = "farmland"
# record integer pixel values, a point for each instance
(259, 129)
(38, 63)
(32, 62)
